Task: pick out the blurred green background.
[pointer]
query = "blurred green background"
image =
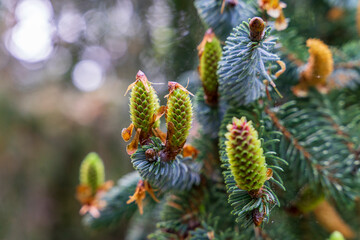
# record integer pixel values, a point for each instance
(65, 66)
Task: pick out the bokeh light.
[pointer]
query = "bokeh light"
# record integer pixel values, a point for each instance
(70, 26)
(30, 39)
(87, 75)
(65, 66)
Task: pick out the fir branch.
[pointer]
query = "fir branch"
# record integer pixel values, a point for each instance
(292, 45)
(247, 205)
(163, 235)
(317, 152)
(222, 23)
(179, 174)
(341, 109)
(243, 66)
(208, 155)
(207, 232)
(116, 207)
(209, 116)
(197, 213)
(181, 213)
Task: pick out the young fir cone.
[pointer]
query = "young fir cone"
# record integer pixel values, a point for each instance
(178, 120)
(143, 105)
(210, 53)
(319, 67)
(92, 173)
(145, 112)
(246, 158)
(92, 185)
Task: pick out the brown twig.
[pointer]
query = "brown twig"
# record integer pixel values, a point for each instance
(329, 218)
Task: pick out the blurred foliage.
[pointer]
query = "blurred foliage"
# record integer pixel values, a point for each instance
(55, 108)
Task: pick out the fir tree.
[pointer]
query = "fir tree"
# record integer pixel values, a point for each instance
(262, 156)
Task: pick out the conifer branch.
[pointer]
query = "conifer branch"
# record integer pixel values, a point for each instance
(329, 163)
(244, 64)
(223, 22)
(179, 174)
(250, 204)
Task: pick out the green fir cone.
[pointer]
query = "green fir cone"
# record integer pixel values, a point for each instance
(179, 113)
(246, 158)
(178, 121)
(210, 50)
(92, 173)
(143, 105)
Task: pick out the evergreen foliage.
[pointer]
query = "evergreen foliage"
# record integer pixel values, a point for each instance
(261, 167)
(314, 144)
(116, 207)
(233, 14)
(242, 68)
(179, 174)
(212, 115)
(245, 201)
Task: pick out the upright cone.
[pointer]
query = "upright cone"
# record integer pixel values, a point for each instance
(178, 120)
(209, 53)
(246, 158)
(92, 173)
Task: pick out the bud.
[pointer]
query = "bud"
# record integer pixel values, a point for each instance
(258, 217)
(92, 173)
(209, 54)
(246, 158)
(151, 155)
(257, 26)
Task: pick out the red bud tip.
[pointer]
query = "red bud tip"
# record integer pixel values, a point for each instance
(140, 74)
